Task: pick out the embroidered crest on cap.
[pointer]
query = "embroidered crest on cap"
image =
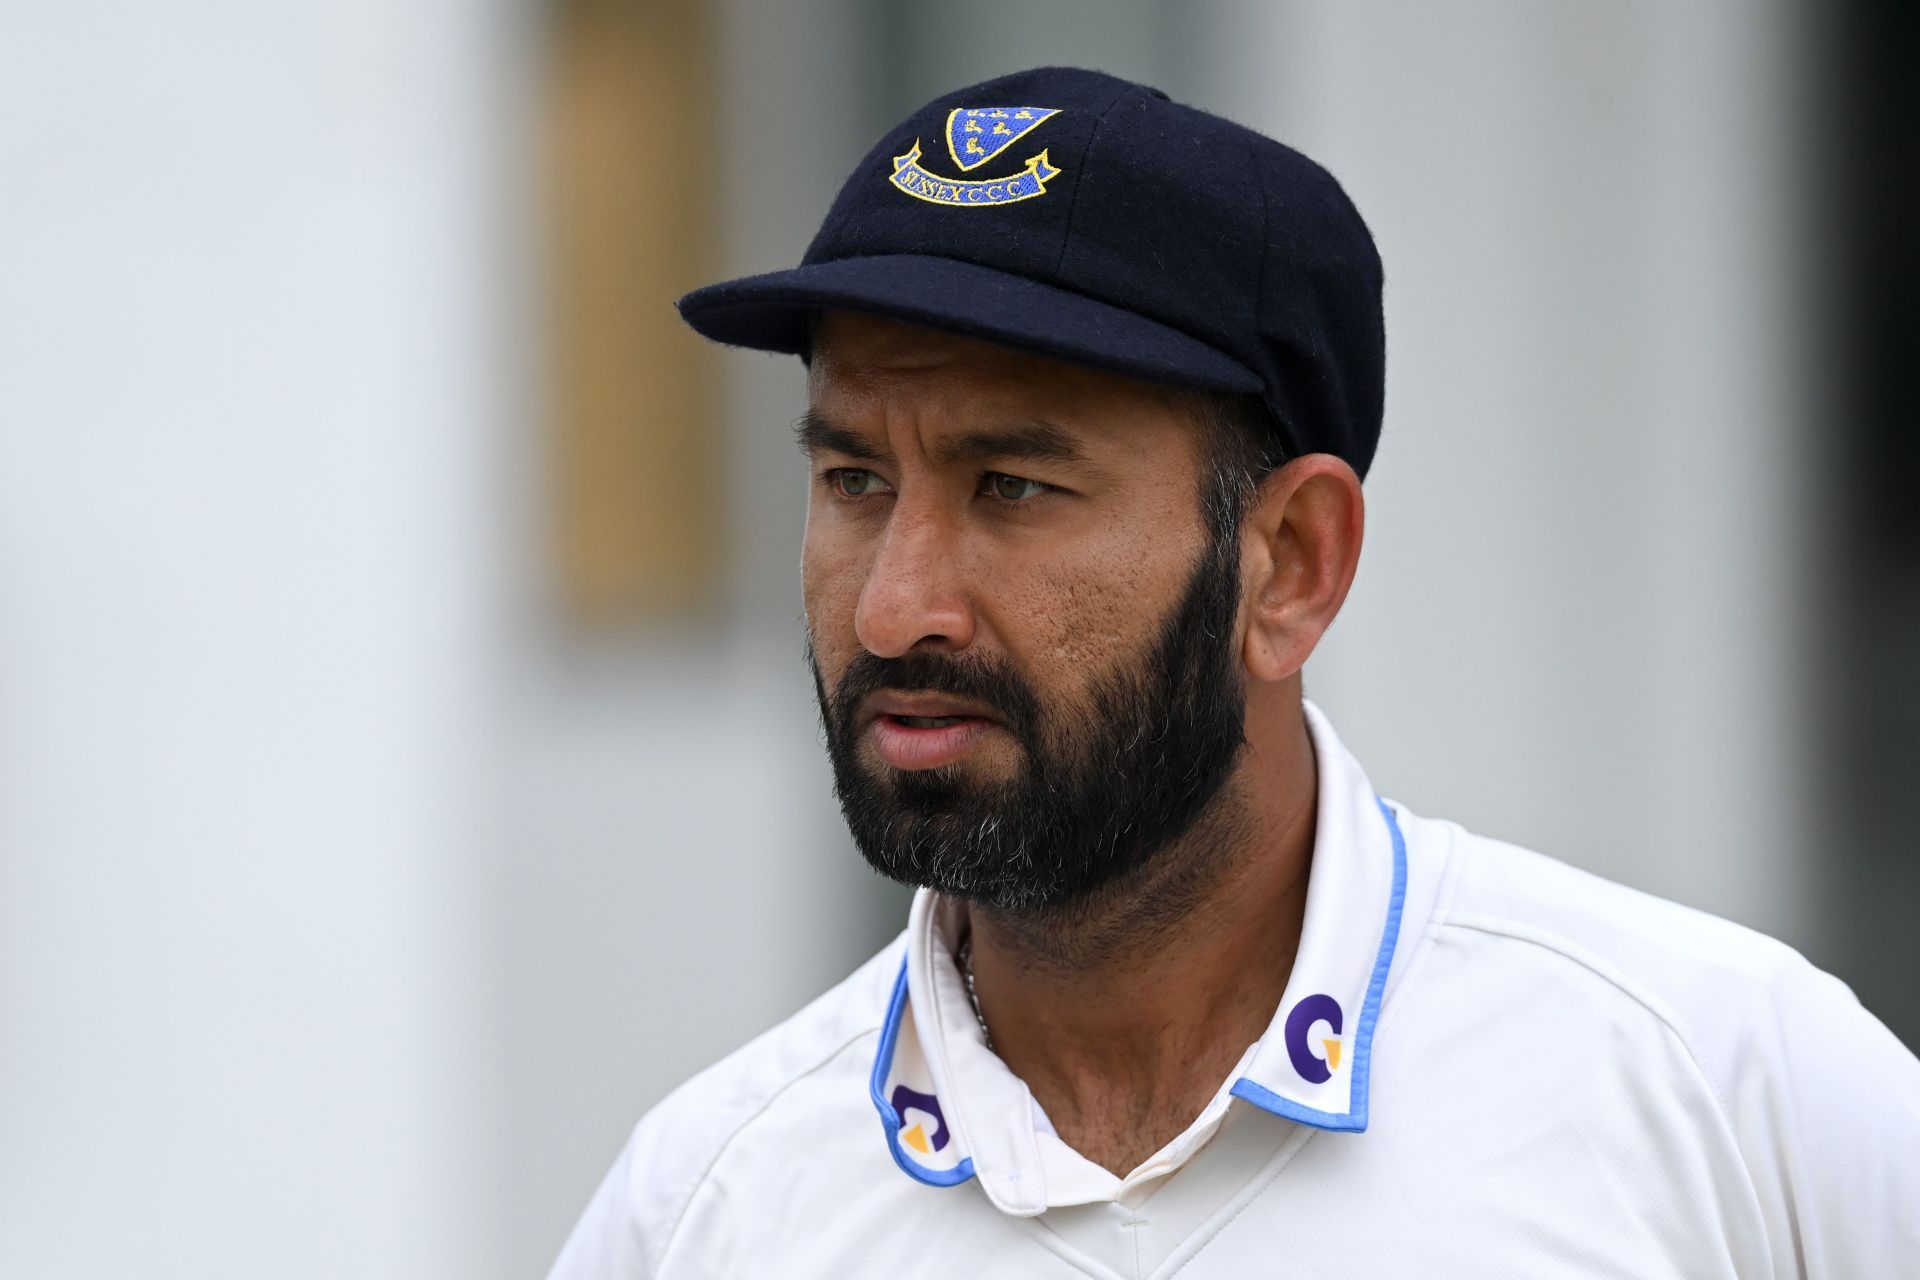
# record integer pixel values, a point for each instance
(976, 135)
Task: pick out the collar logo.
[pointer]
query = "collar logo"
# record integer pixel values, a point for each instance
(1300, 1023)
(927, 1132)
(976, 135)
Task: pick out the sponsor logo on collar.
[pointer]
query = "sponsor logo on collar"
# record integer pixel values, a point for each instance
(914, 1122)
(1312, 1032)
(1308, 1014)
(926, 1124)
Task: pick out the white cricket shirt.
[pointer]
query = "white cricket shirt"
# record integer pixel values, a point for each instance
(1486, 1063)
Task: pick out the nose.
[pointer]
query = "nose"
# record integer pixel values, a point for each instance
(913, 595)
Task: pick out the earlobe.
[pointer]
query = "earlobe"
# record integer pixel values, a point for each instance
(1300, 547)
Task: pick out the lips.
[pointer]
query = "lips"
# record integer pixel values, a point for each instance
(928, 706)
(925, 731)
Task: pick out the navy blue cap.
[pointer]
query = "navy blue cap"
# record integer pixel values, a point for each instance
(1089, 218)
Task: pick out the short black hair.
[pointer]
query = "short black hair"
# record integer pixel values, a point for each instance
(1240, 445)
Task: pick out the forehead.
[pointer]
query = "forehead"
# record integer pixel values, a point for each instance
(868, 369)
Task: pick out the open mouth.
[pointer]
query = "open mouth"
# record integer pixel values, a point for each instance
(926, 742)
(931, 722)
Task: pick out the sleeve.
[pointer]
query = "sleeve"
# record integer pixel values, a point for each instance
(608, 1242)
(631, 1220)
(1830, 1116)
(630, 1224)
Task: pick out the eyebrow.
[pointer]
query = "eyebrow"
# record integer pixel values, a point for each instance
(815, 435)
(1026, 441)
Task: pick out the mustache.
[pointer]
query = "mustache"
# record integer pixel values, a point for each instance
(990, 681)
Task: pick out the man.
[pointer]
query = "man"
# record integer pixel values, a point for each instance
(1093, 380)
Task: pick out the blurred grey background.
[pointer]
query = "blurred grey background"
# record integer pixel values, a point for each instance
(407, 768)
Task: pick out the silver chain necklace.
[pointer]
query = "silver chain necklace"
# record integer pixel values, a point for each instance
(966, 972)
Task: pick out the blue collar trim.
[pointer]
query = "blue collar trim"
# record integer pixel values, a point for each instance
(1355, 1120)
(890, 1118)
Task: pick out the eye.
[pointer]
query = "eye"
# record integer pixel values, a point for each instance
(1013, 488)
(854, 482)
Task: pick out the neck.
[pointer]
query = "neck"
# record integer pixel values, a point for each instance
(1124, 1014)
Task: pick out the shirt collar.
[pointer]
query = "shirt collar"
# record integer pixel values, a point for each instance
(952, 1110)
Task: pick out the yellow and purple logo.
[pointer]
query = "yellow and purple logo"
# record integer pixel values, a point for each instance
(923, 1126)
(1313, 1011)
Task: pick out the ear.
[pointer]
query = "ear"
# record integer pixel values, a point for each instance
(1299, 548)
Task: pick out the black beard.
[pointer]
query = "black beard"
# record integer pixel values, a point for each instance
(1102, 789)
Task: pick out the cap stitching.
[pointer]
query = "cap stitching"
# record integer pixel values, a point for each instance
(1073, 204)
(1266, 235)
(1290, 437)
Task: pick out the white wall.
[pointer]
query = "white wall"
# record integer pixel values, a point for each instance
(1577, 622)
(251, 421)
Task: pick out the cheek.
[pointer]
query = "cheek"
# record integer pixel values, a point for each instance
(1082, 618)
(831, 579)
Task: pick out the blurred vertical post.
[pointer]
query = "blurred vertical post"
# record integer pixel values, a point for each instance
(637, 522)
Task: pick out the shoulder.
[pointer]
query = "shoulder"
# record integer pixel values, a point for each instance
(1685, 965)
(632, 1218)
(1726, 990)
(1821, 1100)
